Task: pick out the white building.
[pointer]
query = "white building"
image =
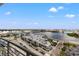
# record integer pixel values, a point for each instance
(39, 38)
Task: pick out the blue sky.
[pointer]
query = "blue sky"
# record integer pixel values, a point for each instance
(39, 16)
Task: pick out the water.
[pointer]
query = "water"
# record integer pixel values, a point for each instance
(55, 36)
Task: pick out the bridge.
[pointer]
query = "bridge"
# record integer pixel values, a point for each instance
(8, 48)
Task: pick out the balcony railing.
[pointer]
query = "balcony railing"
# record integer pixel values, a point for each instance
(8, 48)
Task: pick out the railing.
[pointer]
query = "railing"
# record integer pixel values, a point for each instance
(8, 48)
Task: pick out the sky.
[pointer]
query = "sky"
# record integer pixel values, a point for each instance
(39, 16)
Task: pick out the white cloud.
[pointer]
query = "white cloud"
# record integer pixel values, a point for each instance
(8, 13)
(53, 9)
(73, 22)
(70, 15)
(60, 7)
(35, 23)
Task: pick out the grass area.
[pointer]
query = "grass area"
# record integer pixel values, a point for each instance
(66, 46)
(62, 52)
(52, 42)
(69, 44)
(73, 35)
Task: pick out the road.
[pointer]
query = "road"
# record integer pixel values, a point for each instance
(71, 39)
(56, 50)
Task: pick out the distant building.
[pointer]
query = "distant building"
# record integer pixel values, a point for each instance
(39, 39)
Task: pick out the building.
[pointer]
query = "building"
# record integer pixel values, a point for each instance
(38, 39)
